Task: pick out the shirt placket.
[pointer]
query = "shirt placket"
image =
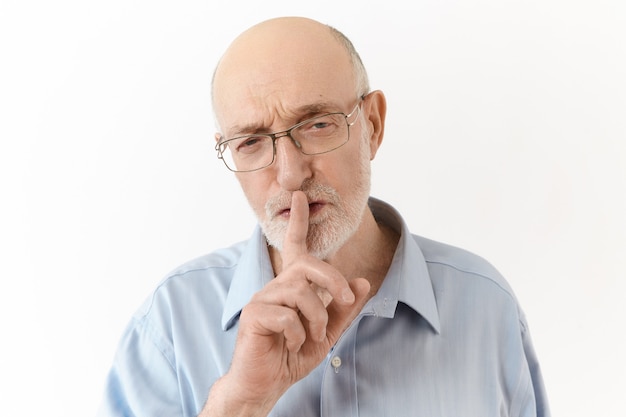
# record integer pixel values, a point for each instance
(339, 388)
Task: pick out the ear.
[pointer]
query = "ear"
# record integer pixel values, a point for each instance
(375, 111)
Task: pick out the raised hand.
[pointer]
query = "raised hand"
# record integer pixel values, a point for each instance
(289, 326)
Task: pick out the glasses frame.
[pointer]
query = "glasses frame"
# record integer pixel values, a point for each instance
(219, 147)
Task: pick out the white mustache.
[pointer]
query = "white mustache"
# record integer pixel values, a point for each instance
(314, 191)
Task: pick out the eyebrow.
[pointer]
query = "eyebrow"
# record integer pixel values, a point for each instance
(304, 112)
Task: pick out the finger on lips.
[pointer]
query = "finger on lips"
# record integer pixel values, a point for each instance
(296, 302)
(297, 228)
(327, 282)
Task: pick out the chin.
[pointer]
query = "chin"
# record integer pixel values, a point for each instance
(324, 241)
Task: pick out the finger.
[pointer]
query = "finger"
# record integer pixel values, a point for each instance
(294, 244)
(322, 277)
(302, 297)
(268, 320)
(329, 283)
(314, 316)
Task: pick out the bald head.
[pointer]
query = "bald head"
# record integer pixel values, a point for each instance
(286, 56)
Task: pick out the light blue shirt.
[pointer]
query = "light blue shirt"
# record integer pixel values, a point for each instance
(444, 336)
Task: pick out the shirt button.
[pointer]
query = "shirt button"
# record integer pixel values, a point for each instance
(336, 363)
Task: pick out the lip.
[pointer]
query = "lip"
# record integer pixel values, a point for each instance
(314, 208)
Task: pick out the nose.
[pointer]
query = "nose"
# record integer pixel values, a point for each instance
(292, 166)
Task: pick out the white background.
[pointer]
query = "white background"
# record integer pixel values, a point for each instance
(506, 135)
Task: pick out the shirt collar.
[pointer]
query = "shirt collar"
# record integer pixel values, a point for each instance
(407, 280)
(253, 271)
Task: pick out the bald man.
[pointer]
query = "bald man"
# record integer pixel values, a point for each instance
(332, 307)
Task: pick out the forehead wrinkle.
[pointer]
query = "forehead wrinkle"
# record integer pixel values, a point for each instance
(295, 116)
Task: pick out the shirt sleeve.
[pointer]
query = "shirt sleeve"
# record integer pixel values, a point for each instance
(142, 380)
(539, 390)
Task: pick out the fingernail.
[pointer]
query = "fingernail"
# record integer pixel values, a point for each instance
(347, 296)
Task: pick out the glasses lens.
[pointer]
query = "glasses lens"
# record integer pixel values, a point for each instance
(314, 136)
(322, 134)
(248, 153)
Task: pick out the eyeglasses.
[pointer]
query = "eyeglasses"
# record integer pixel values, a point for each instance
(320, 134)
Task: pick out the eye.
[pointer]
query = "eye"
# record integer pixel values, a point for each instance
(250, 144)
(320, 127)
(251, 141)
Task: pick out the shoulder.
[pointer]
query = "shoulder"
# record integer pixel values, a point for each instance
(224, 258)
(455, 257)
(462, 267)
(206, 278)
(465, 282)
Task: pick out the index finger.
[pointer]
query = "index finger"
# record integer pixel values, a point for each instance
(295, 244)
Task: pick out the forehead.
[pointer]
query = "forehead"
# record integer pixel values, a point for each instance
(291, 117)
(267, 76)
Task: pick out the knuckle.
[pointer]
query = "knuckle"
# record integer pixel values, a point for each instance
(287, 318)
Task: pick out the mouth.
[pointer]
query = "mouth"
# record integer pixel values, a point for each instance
(314, 208)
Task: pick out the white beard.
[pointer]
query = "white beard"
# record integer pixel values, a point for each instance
(340, 219)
